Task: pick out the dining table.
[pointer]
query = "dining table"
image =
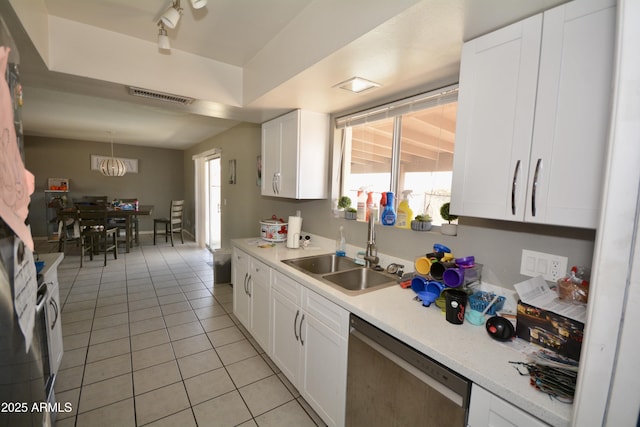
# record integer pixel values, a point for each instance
(67, 216)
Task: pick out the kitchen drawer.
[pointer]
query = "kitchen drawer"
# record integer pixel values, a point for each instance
(287, 287)
(326, 312)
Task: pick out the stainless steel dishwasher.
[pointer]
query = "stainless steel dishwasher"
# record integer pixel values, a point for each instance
(391, 384)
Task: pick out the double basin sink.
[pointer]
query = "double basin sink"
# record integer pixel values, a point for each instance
(342, 273)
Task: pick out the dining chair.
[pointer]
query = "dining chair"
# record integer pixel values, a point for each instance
(93, 200)
(121, 223)
(173, 224)
(68, 227)
(97, 234)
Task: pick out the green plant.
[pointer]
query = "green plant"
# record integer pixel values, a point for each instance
(444, 213)
(352, 210)
(423, 218)
(344, 202)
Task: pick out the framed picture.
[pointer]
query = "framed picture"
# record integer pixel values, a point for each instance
(232, 171)
(130, 164)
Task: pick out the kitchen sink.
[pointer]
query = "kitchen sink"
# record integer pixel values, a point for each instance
(342, 273)
(322, 264)
(360, 279)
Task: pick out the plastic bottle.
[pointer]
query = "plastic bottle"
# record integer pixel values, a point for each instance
(362, 205)
(372, 209)
(405, 214)
(388, 214)
(341, 244)
(383, 203)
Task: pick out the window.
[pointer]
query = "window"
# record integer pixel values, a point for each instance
(403, 146)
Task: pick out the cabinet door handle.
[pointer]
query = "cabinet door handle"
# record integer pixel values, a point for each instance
(300, 330)
(534, 187)
(295, 323)
(249, 281)
(273, 183)
(514, 185)
(246, 277)
(54, 304)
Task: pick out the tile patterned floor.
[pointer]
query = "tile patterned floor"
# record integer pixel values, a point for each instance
(149, 340)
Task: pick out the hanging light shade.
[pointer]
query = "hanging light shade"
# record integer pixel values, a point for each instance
(112, 166)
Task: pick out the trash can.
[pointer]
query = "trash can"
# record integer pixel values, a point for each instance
(221, 266)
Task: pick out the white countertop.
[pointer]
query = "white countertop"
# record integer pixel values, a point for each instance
(51, 260)
(466, 349)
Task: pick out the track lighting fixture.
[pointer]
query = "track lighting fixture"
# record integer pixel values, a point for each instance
(172, 15)
(170, 18)
(198, 4)
(163, 38)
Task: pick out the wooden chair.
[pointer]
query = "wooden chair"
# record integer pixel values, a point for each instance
(97, 234)
(68, 227)
(122, 225)
(173, 224)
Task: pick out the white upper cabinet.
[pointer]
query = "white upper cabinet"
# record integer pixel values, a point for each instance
(533, 113)
(295, 155)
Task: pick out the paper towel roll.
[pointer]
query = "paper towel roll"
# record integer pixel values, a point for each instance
(293, 232)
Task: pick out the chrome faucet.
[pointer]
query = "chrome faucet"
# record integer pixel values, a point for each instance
(371, 255)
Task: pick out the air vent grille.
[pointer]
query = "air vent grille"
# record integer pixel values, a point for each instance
(160, 96)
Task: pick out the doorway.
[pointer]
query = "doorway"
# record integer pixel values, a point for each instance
(213, 200)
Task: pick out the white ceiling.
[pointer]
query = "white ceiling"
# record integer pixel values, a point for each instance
(242, 60)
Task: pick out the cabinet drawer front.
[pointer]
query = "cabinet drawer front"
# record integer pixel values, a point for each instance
(259, 271)
(287, 287)
(329, 314)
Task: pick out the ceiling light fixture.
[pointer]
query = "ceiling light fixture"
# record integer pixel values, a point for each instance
(163, 38)
(357, 85)
(112, 166)
(198, 4)
(169, 19)
(172, 15)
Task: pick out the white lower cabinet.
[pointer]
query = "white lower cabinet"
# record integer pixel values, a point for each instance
(252, 295)
(488, 410)
(309, 345)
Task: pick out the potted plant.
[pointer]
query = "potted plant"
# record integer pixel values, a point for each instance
(350, 213)
(448, 229)
(421, 223)
(343, 203)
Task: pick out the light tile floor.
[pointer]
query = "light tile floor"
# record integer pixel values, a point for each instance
(149, 340)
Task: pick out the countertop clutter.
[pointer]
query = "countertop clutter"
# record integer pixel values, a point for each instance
(466, 349)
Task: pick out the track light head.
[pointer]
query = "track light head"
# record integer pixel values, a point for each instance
(163, 38)
(198, 4)
(172, 15)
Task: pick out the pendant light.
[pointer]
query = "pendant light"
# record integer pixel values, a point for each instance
(112, 166)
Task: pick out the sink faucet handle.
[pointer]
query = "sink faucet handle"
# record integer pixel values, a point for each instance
(395, 268)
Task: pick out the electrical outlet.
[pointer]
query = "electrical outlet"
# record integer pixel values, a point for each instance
(551, 267)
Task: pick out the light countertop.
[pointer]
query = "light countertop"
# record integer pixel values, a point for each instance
(466, 349)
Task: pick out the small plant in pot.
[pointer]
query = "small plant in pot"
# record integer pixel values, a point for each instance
(343, 203)
(421, 223)
(350, 213)
(448, 229)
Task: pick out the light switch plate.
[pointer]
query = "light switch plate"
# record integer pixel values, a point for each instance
(551, 267)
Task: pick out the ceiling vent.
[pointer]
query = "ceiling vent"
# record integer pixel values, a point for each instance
(160, 96)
